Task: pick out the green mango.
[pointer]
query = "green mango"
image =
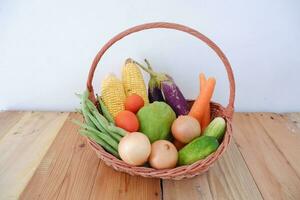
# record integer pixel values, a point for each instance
(197, 149)
(156, 120)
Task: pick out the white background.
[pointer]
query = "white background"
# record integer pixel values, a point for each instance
(46, 48)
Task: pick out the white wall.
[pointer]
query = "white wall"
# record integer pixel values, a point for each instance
(46, 48)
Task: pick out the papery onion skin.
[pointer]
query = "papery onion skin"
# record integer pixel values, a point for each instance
(163, 155)
(186, 128)
(134, 148)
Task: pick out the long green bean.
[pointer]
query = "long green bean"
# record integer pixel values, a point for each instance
(98, 127)
(115, 136)
(117, 130)
(105, 112)
(84, 109)
(97, 123)
(84, 126)
(78, 110)
(100, 141)
(111, 134)
(106, 138)
(95, 112)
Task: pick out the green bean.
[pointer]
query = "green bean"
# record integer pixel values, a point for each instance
(78, 110)
(97, 123)
(117, 130)
(85, 126)
(106, 138)
(85, 111)
(115, 136)
(82, 125)
(105, 112)
(95, 112)
(100, 141)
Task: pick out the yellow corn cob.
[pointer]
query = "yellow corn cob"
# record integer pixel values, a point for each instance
(133, 81)
(112, 94)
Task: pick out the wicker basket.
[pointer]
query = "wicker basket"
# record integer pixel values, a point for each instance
(181, 172)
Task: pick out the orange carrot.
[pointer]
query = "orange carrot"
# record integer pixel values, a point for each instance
(206, 118)
(202, 82)
(200, 105)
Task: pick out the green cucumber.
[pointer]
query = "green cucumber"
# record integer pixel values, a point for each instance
(216, 128)
(198, 149)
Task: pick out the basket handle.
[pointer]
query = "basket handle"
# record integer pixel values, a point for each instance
(211, 44)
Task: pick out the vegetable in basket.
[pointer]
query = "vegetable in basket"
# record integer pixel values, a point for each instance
(154, 91)
(98, 128)
(128, 121)
(156, 120)
(202, 102)
(163, 155)
(216, 128)
(198, 149)
(133, 103)
(112, 94)
(173, 96)
(185, 128)
(134, 148)
(133, 81)
(105, 112)
(206, 118)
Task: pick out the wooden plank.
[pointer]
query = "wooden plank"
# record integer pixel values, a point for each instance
(229, 178)
(7, 120)
(293, 121)
(110, 184)
(272, 171)
(81, 173)
(68, 166)
(71, 170)
(285, 137)
(23, 147)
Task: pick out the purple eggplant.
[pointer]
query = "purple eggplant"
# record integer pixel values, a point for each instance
(172, 94)
(154, 91)
(174, 97)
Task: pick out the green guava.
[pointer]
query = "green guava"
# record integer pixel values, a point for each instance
(156, 120)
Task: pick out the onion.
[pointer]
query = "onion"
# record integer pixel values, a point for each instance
(163, 155)
(185, 128)
(134, 148)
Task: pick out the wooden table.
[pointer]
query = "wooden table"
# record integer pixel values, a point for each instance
(43, 157)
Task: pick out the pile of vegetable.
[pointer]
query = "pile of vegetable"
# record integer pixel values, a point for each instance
(153, 126)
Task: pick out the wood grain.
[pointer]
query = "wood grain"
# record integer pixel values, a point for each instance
(23, 147)
(267, 161)
(8, 120)
(61, 165)
(292, 121)
(71, 170)
(229, 178)
(81, 174)
(110, 184)
(283, 136)
(262, 162)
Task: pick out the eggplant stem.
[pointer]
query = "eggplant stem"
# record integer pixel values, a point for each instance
(151, 72)
(158, 76)
(148, 64)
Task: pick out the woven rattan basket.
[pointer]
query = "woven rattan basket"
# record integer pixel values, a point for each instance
(181, 172)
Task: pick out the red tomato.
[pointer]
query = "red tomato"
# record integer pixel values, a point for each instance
(133, 103)
(127, 120)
